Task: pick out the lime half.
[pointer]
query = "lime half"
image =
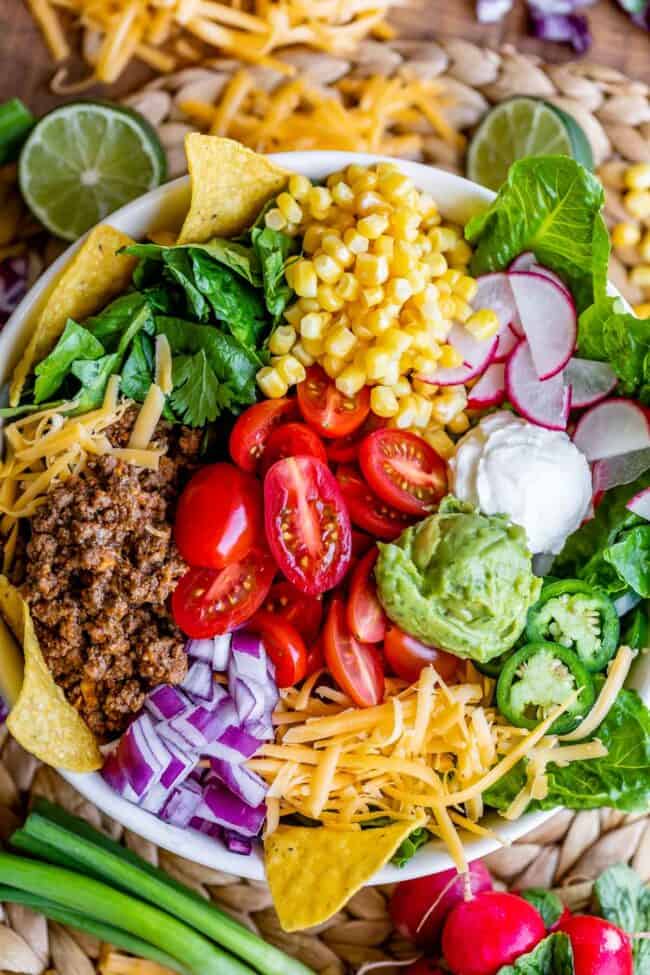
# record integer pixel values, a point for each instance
(85, 160)
(523, 127)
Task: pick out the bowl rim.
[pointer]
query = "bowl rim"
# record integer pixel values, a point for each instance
(464, 198)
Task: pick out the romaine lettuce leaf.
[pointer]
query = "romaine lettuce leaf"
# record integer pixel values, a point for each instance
(552, 956)
(623, 899)
(76, 342)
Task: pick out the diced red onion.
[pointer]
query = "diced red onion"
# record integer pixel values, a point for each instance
(199, 681)
(154, 799)
(221, 653)
(247, 785)
(182, 803)
(262, 729)
(569, 28)
(223, 808)
(179, 768)
(13, 285)
(209, 829)
(166, 702)
(213, 650)
(142, 754)
(237, 843)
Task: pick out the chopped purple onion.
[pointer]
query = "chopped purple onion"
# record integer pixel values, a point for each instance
(246, 785)
(209, 829)
(236, 843)
(213, 650)
(235, 745)
(142, 754)
(572, 29)
(223, 808)
(182, 803)
(13, 285)
(166, 702)
(154, 800)
(199, 681)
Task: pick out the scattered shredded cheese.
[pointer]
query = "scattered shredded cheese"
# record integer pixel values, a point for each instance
(148, 419)
(164, 364)
(617, 673)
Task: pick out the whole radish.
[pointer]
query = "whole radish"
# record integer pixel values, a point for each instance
(424, 966)
(599, 948)
(493, 929)
(419, 907)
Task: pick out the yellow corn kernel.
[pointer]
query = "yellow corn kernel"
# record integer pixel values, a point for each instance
(347, 287)
(466, 288)
(644, 247)
(312, 325)
(314, 347)
(428, 207)
(332, 365)
(293, 314)
(450, 358)
(452, 277)
(372, 296)
(327, 269)
(423, 411)
(428, 390)
(282, 340)
(459, 424)
(424, 245)
(443, 238)
(399, 290)
(391, 374)
(371, 269)
(334, 178)
(343, 194)
(355, 242)
(299, 186)
(426, 365)
(380, 319)
(626, 235)
(383, 245)
(421, 339)
(417, 278)
(403, 258)
(354, 171)
(439, 329)
(308, 305)
(340, 342)
(462, 311)
(271, 383)
(372, 226)
(333, 246)
(304, 279)
(376, 361)
(275, 219)
(369, 202)
(447, 307)
(362, 332)
(383, 402)
(290, 370)
(640, 275)
(637, 202)
(448, 404)
(350, 380)
(289, 208)
(364, 180)
(397, 341)
(637, 177)
(328, 298)
(319, 200)
(441, 442)
(314, 234)
(437, 264)
(483, 324)
(402, 387)
(404, 224)
(301, 354)
(460, 254)
(394, 185)
(642, 310)
(407, 413)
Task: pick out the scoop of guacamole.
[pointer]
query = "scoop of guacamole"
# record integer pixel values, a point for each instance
(459, 580)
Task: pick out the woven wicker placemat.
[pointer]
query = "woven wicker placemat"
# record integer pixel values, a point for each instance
(569, 851)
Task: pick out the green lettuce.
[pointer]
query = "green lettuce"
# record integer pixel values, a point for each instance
(76, 343)
(623, 899)
(611, 334)
(552, 956)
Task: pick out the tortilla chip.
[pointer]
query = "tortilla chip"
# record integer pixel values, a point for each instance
(230, 185)
(312, 873)
(41, 719)
(95, 274)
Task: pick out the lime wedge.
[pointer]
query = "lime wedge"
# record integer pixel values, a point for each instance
(523, 127)
(85, 160)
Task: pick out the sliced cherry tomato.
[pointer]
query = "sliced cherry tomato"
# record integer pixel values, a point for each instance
(406, 657)
(219, 516)
(315, 656)
(403, 470)
(251, 431)
(208, 601)
(327, 410)
(356, 667)
(345, 450)
(360, 543)
(302, 611)
(292, 440)
(366, 617)
(367, 511)
(284, 645)
(307, 524)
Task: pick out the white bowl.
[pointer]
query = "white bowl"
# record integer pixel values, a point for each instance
(164, 208)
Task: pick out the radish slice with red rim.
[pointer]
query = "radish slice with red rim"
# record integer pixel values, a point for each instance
(509, 339)
(477, 356)
(528, 262)
(611, 472)
(524, 262)
(548, 318)
(640, 504)
(494, 292)
(544, 402)
(490, 390)
(590, 381)
(615, 426)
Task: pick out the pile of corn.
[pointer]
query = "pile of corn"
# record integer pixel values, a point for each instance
(631, 233)
(381, 282)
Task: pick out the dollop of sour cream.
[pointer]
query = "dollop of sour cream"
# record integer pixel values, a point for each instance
(537, 477)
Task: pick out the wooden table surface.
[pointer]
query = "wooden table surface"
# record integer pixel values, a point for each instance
(25, 66)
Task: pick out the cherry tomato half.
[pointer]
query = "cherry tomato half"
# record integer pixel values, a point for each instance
(219, 516)
(403, 470)
(302, 611)
(366, 617)
(292, 440)
(367, 511)
(406, 657)
(327, 410)
(284, 645)
(360, 543)
(345, 450)
(315, 656)
(307, 524)
(356, 667)
(251, 431)
(208, 601)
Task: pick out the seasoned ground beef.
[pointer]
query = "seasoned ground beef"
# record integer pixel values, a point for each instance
(101, 565)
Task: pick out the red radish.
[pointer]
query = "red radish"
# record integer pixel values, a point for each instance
(492, 930)
(640, 504)
(547, 403)
(490, 390)
(616, 426)
(424, 966)
(524, 262)
(548, 317)
(599, 948)
(590, 381)
(494, 292)
(563, 918)
(610, 472)
(419, 907)
(477, 356)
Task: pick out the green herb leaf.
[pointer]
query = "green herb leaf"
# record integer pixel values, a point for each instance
(117, 318)
(235, 303)
(546, 902)
(410, 846)
(611, 334)
(623, 899)
(243, 260)
(274, 249)
(138, 370)
(197, 397)
(549, 205)
(552, 956)
(76, 342)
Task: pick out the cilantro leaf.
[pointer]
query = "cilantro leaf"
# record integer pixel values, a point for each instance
(76, 342)
(274, 249)
(197, 397)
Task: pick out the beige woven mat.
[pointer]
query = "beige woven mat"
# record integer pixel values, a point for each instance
(571, 849)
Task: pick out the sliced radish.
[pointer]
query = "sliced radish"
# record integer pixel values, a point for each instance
(528, 262)
(477, 356)
(590, 381)
(508, 340)
(548, 317)
(524, 262)
(615, 426)
(494, 292)
(640, 504)
(490, 390)
(546, 403)
(611, 472)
